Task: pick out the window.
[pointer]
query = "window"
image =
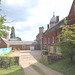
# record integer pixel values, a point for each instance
(58, 39)
(14, 47)
(58, 50)
(23, 47)
(51, 49)
(45, 41)
(48, 40)
(53, 39)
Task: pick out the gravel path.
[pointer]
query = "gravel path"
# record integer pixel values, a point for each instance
(30, 57)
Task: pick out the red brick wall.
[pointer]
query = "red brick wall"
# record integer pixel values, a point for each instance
(39, 40)
(72, 11)
(71, 16)
(50, 35)
(3, 44)
(27, 47)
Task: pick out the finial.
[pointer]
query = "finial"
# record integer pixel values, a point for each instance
(53, 14)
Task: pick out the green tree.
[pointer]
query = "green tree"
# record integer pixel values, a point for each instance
(3, 28)
(67, 43)
(19, 39)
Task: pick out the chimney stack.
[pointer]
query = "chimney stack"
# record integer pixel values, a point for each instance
(41, 30)
(47, 26)
(57, 19)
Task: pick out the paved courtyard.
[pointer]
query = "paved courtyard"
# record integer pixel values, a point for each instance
(27, 58)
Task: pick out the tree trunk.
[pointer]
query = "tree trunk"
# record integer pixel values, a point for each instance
(71, 58)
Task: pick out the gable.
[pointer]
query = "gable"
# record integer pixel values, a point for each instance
(2, 44)
(72, 11)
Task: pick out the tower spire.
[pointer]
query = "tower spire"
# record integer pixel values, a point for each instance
(12, 35)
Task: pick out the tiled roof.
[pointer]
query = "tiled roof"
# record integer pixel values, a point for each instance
(54, 27)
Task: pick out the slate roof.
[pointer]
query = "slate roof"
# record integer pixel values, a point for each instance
(53, 19)
(18, 42)
(54, 27)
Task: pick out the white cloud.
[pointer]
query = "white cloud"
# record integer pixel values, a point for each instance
(41, 15)
(15, 2)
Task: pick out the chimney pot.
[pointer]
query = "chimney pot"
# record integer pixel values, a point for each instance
(57, 19)
(47, 26)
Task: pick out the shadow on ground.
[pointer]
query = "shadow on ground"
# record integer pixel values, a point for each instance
(17, 72)
(31, 57)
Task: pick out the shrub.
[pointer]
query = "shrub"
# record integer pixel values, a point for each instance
(44, 52)
(6, 62)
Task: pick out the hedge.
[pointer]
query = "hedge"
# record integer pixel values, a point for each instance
(6, 62)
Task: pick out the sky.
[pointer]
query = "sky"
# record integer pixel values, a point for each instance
(28, 15)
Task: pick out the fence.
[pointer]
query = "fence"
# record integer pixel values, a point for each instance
(4, 51)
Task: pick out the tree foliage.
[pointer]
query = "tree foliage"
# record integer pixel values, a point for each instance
(19, 39)
(3, 28)
(67, 43)
(68, 32)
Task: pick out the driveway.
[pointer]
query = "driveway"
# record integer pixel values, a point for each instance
(28, 57)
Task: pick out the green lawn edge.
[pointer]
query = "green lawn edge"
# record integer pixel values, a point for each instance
(64, 66)
(13, 70)
(37, 69)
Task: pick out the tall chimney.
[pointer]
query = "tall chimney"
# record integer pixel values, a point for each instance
(7, 36)
(57, 19)
(41, 30)
(47, 26)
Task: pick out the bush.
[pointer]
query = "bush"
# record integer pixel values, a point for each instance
(45, 52)
(6, 62)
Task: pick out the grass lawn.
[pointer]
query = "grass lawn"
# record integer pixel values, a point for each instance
(38, 69)
(64, 66)
(14, 70)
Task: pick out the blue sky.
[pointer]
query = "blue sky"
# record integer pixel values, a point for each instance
(29, 15)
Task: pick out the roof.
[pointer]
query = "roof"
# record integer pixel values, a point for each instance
(72, 11)
(35, 43)
(71, 21)
(53, 19)
(13, 39)
(54, 27)
(18, 42)
(4, 40)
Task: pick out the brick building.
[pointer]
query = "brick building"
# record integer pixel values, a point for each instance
(47, 39)
(71, 16)
(39, 38)
(50, 34)
(13, 42)
(3, 43)
(19, 45)
(52, 31)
